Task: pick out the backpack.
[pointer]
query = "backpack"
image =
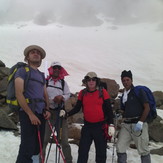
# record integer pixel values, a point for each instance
(152, 104)
(11, 98)
(62, 84)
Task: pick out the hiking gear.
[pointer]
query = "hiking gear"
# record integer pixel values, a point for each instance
(91, 79)
(62, 74)
(56, 64)
(57, 67)
(146, 159)
(56, 141)
(152, 104)
(33, 47)
(40, 143)
(29, 145)
(62, 113)
(126, 74)
(91, 75)
(49, 149)
(62, 84)
(105, 129)
(115, 133)
(92, 132)
(111, 130)
(140, 138)
(11, 98)
(101, 112)
(122, 158)
(138, 126)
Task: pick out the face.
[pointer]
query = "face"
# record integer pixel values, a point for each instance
(91, 83)
(34, 57)
(56, 71)
(127, 82)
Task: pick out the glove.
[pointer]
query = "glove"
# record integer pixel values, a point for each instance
(111, 130)
(138, 126)
(62, 113)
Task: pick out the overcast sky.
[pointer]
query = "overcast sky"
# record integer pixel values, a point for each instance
(80, 12)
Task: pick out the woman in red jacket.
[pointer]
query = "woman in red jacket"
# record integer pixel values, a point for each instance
(97, 111)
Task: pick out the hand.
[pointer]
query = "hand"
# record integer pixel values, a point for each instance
(111, 130)
(138, 126)
(47, 114)
(58, 99)
(34, 120)
(62, 113)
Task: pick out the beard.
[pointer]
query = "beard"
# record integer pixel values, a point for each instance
(35, 63)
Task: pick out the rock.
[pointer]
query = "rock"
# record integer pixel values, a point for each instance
(6, 122)
(4, 71)
(2, 64)
(158, 97)
(3, 85)
(74, 131)
(161, 107)
(112, 87)
(157, 151)
(156, 130)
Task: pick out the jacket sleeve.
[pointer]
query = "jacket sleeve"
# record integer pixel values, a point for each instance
(76, 108)
(108, 111)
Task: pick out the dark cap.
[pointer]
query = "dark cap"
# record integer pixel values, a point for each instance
(126, 74)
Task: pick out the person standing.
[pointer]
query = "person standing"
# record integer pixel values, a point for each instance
(58, 93)
(97, 113)
(135, 126)
(32, 115)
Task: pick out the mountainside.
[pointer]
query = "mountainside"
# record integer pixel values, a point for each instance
(106, 49)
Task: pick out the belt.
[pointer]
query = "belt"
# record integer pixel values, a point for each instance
(131, 120)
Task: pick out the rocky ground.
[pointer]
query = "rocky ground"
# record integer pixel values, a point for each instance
(9, 118)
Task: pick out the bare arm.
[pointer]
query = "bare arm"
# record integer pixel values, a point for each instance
(145, 112)
(19, 89)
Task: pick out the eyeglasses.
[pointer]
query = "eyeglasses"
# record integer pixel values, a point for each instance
(57, 67)
(93, 79)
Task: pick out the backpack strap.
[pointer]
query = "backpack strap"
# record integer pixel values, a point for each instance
(62, 84)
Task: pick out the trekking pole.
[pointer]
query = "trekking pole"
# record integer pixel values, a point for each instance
(49, 149)
(39, 139)
(115, 134)
(60, 134)
(56, 141)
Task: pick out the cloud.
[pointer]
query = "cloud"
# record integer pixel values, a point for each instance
(80, 12)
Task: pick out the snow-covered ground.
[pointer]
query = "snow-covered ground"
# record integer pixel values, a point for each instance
(107, 48)
(9, 148)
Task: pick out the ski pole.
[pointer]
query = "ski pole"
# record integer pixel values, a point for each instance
(40, 144)
(57, 143)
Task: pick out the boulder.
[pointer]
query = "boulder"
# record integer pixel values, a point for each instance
(6, 122)
(156, 129)
(157, 151)
(112, 87)
(2, 64)
(158, 97)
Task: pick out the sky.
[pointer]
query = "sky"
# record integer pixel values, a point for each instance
(81, 12)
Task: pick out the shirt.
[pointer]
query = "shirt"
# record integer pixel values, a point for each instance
(34, 88)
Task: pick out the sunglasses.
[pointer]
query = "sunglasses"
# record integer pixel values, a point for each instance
(57, 67)
(93, 79)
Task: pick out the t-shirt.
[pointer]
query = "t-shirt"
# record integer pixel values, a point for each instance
(93, 105)
(34, 88)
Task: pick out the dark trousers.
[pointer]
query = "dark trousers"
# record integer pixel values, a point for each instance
(29, 145)
(89, 133)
